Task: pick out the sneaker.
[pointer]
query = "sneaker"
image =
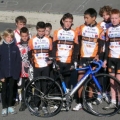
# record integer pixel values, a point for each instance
(110, 106)
(4, 112)
(97, 101)
(90, 105)
(16, 103)
(22, 107)
(63, 107)
(106, 97)
(11, 110)
(44, 109)
(77, 107)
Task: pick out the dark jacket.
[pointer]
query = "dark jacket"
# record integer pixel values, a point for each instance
(10, 60)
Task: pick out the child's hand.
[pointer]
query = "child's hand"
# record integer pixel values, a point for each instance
(104, 64)
(49, 62)
(3, 80)
(96, 58)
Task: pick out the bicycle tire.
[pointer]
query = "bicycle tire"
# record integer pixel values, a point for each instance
(52, 89)
(90, 90)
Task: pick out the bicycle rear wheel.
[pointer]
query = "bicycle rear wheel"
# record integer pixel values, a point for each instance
(43, 97)
(101, 103)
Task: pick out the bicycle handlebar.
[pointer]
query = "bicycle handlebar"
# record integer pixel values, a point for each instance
(98, 63)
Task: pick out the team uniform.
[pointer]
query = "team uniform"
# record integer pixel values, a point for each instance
(104, 25)
(113, 45)
(39, 49)
(65, 45)
(90, 42)
(23, 47)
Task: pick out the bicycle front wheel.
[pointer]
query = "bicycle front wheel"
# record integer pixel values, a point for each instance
(43, 97)
(105, 102)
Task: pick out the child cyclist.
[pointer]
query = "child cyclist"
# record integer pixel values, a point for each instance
(10, 67)
(23, 47)
(65, 45)
(90, 45)
(40, 47)
(104, 12)
(112, 56)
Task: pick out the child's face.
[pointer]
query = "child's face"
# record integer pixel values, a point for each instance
(41, 32)
(67, 23)
(47, 31)
(24, 36)
(20, 25)
(88, 19)
(106, 16)
(115, 19)
(8, 39)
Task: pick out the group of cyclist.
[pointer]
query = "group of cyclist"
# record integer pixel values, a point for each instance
(90, 41)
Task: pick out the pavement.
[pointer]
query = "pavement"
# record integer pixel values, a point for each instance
(56, 6)
(63, 115)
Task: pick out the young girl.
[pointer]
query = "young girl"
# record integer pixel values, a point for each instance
(23, 47)
(10, 67)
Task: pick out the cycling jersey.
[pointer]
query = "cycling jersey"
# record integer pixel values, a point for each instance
(90, 40)
(23, 47)
(40, 48)
(104, 25)
(65, 44)
(113, 42)
(17, 35)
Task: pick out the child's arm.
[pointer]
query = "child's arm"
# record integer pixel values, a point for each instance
(18, 63)
(55, 42)
(75, 49)
(1, 75)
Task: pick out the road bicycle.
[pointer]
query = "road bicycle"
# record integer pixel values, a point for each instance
(55, 93)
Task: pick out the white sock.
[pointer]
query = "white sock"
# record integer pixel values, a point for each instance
(113, 101)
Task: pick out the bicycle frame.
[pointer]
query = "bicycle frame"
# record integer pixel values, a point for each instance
(82, 80)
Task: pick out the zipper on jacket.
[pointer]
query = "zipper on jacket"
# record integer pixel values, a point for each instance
(9, 58)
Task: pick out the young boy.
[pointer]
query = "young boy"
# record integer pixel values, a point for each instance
(65, 45)
(105, 12)
(23, 47)
(40, 47)
(10, 67)
(90, 45)
(105, 24)
(112, 56)
(20, 22)
(48, 29)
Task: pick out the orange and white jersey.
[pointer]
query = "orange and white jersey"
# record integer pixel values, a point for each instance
(17, 36)
(40, 50)
(65, 44)
(89, 40)
(113, 35)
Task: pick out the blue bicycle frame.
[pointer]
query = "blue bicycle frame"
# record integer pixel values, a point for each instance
(83, 79)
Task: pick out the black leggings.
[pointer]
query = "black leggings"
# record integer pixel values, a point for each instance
(7, 92)
(65, 67)
(42, 86)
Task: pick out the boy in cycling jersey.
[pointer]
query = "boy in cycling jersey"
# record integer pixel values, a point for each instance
(65, 45)
(90, 45)
(112, 56)
(104, 12)
(40, 47)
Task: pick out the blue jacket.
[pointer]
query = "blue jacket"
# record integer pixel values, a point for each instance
(10, 60)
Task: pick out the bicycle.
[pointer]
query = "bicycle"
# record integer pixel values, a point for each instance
(55, 94)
